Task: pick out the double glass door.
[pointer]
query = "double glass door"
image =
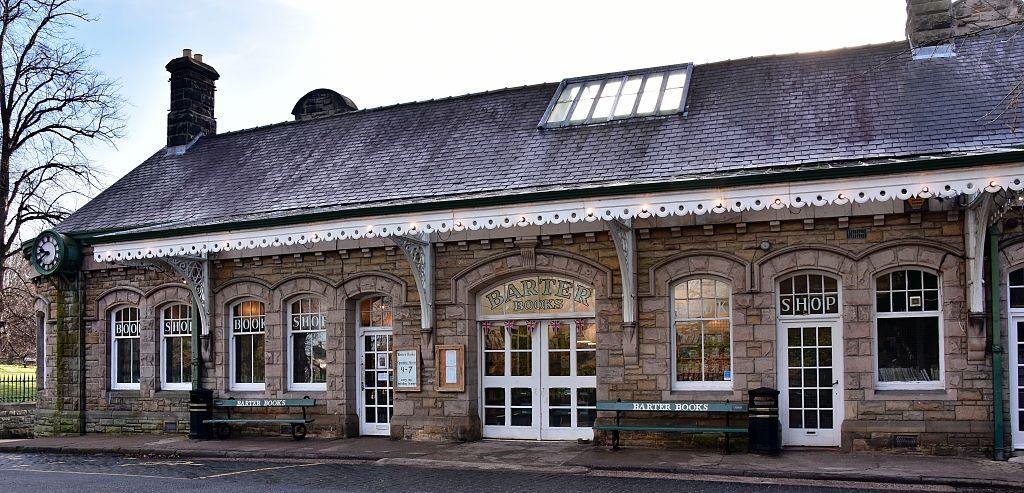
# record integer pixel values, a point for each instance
(539, 379)
(376, 382)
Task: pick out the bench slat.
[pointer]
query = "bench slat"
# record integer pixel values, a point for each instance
(264, 402)
(711, 407)
(683, 429)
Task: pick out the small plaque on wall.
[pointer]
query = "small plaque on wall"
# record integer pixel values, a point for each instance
(451, 367)
(407, 369)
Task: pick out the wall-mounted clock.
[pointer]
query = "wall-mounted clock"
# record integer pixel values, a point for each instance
(53, 252)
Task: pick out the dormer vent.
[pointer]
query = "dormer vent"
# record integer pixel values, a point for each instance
(320, 103)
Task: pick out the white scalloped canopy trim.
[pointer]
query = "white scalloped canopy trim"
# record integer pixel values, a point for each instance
(798, 195)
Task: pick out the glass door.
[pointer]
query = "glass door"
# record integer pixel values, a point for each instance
(539, 379)
(376, 383)
(1017, 381)
(810, 397)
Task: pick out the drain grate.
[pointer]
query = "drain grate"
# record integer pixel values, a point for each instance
(906, 441)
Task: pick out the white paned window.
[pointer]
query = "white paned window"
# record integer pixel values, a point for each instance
(124, 356)
(602, 98)
(908, 330)
(248, 329)
(809, 294)
(176, 347)
(307, 322)
(702, 335)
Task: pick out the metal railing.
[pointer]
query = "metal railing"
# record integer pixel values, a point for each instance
(17, 388)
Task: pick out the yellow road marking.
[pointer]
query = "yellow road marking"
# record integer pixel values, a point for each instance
(259, 470)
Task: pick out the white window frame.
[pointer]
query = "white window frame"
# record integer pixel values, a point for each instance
(939, 384)
(164, 337)
(295, 320)
(1014, 315)
(246, 386)
(701, 385)
(577, 86)
(118, 334)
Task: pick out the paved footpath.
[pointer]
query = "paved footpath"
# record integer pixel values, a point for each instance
(559, 457)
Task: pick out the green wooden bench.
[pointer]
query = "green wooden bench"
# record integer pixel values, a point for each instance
(620, 407)
(222, 426)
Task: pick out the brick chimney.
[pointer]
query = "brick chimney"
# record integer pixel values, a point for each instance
(192, 87)
(929, 22)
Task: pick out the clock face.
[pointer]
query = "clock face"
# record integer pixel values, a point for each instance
(48, 252)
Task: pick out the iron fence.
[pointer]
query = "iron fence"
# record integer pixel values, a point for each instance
(17, 388)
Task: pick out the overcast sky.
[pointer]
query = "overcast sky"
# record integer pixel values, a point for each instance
(378, 53)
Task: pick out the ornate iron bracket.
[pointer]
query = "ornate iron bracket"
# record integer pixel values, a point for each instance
(625, 246)
(195, 271)
(417, 251)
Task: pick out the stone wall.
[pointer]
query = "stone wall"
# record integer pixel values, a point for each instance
(17, 420)
(723, 246)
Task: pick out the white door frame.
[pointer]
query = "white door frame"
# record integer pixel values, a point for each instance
(817, 437)
(382, 429)
(1015, 326)
(540, 383)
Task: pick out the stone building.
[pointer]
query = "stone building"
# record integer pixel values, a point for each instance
(820, 223)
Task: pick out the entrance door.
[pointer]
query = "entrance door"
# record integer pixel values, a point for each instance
(810, 398)
(376, 382)
(539, 379)
(1016, 382)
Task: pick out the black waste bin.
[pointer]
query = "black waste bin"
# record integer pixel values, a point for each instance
(200, 407)
(764, 421)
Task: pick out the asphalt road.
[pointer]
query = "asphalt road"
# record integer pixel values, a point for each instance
(23, 473)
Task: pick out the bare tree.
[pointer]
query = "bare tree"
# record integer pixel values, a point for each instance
(51, 103)
(17, 317)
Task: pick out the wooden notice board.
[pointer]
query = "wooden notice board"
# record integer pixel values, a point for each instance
(451, 367)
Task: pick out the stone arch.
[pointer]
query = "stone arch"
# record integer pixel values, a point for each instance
(227, 295)
(167, 293)
(491, 270)
(710, 262)
(791, 260)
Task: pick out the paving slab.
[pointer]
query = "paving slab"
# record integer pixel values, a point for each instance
(559, 457)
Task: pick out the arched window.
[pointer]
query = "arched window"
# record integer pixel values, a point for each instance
(809, 294)
(176, 347)
(908, 330)
(307, 325)
(702, 336)
(248, 328)
(124, 355)
(1016, 285)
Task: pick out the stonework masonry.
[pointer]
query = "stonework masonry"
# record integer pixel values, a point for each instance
(956, 418)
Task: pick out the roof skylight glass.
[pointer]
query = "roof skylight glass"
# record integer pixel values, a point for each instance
(596, 99)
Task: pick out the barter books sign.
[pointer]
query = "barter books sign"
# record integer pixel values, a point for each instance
(537, 294)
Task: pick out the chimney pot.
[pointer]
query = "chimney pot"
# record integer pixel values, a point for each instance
(199, 58)
(187, 53)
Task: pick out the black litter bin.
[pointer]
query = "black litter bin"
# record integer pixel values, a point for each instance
(200, 407)
(764, 421)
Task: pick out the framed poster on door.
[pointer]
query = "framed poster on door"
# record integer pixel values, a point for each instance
(451, 367)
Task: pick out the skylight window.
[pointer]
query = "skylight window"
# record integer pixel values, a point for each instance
(596, 99)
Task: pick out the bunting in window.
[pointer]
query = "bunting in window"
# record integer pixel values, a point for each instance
(555, 326)
(581, 325)
(508, 326)
(531, 325)
(487, 328)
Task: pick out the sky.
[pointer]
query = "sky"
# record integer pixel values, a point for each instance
(269, 53)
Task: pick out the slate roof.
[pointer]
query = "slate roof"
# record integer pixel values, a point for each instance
(743, 116)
